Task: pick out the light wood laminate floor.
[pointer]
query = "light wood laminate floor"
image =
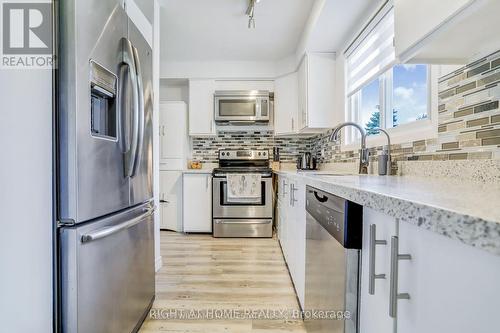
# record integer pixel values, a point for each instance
(204, 273)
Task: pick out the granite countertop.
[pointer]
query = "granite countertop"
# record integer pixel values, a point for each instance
(464, 211)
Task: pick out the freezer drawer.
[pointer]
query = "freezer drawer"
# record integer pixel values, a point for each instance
(107, 272)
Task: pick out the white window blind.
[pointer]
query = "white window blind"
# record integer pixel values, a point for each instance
(372, 52)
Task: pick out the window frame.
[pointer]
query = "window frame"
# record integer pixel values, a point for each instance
(413, 131)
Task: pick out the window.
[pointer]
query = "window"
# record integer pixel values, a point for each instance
(410, 93)
(380, 92)
(406, 100)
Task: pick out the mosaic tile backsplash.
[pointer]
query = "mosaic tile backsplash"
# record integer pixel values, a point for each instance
(205, 149)
(469, 126)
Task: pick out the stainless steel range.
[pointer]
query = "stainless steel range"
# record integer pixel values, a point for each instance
(242, 194)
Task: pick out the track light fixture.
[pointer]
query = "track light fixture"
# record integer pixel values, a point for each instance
(250, 13)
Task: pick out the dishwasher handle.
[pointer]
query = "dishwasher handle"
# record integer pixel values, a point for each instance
(108, 231)
(323, 198)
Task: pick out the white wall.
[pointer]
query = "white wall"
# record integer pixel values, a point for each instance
(174, 90)
(26, 201)
(218, 69)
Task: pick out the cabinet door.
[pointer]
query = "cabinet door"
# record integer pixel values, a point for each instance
(302, 93)
(414, 20)
(286, 104)
(453, 287)
(197, 202)
(201, 107)
(374, 309)
(320, 112)
(300, 230)
(173, 131)
(282, 195)
(171, 200)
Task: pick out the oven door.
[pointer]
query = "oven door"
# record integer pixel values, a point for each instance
(224, 209)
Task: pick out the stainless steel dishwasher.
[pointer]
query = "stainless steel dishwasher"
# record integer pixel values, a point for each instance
(333, 243)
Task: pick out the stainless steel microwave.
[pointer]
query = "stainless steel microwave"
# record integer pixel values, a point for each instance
(242, 106)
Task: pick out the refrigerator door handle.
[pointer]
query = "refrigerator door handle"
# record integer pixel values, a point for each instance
(140, 112)
(108, 231)
(128, 59)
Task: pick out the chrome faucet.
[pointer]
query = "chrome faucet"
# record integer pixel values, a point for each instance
(363, 153)
(384, 160)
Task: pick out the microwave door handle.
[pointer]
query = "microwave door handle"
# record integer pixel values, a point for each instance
(140, 111)
(128, 60)
(257, 105)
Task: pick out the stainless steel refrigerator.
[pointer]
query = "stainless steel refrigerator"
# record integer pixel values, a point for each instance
(105, 186)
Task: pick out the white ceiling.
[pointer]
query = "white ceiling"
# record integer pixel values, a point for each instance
(339, 22)
(196, 30)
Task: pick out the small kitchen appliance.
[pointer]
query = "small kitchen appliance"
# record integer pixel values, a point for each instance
(242, 106)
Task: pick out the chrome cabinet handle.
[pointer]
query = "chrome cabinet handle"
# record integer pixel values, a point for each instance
(292, 195)
(284, 188)
(371, 265)
(394, 295)
(162, 198)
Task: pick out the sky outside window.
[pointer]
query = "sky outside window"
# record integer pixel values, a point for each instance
(410, 92)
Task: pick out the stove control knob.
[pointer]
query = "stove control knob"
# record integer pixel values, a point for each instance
(259, 153)
(264, 153)
(223, 154)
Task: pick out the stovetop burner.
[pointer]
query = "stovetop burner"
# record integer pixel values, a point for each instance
(243, 170)
(243, 161)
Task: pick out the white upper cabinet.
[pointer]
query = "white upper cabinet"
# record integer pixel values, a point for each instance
(316, 77)
(445, 31)
(286, 104)
(304, 100)
(147, 8)
(201, 107)
(173, 135)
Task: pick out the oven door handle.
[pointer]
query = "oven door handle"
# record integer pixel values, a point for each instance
(243, 222)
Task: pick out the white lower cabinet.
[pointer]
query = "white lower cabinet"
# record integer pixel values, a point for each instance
(374, 309)
(292, 230)
(452, 286)
(443, 285)
(171, 200)
(197, 202)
